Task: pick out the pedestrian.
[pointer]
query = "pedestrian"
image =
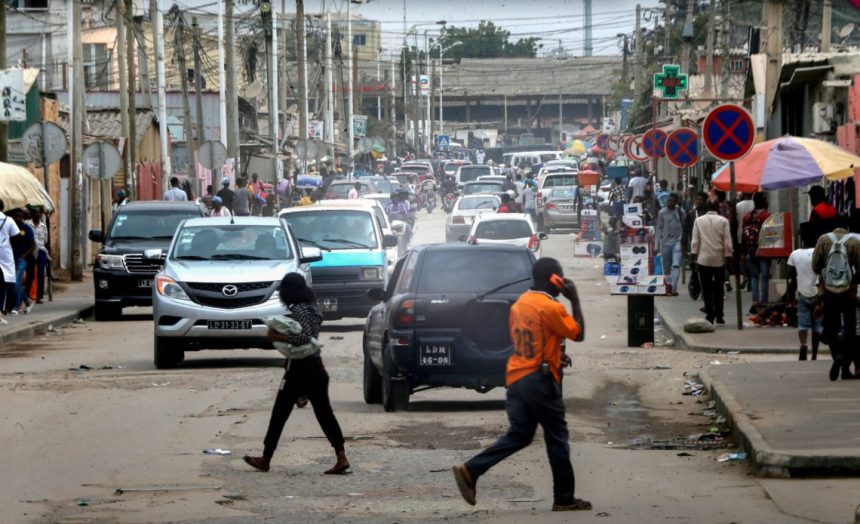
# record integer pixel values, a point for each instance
(307, 198)
(649, 205)
(8, 231)
(509, 184)
(121, 199)
(758, 267)
(744, 206)
(355, 191)
(669, 230)
(207, 198)
(505, 207)
(823, 214)
(539, 326)
(698, 210)
(242, 198)
(226, 194)
(529, 198)
(637, 184)
(256, 189)
(175, 193)
(836, 261)
(612, 240)
(39, 260)
(662, 193)
(711, 249)
(23, 246)
(803, 284)
(218, 209)
(303, 377)
(617, 198)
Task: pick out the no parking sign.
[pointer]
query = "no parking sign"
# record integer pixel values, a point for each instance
(682, 147)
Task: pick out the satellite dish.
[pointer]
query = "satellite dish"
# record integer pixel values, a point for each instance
(846, 30)
(254, 90)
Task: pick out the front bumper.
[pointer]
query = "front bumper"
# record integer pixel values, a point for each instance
(121, 288)
(350, 299)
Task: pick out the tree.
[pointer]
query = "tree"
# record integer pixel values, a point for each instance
(485, 41)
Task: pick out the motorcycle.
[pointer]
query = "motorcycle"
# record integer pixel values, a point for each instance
(427, 199)
(448, 202)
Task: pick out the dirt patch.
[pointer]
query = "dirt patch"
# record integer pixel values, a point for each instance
(432, 436)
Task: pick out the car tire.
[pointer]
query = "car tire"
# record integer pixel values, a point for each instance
(395, 393)
(107, 312)
(165, 354)
(372, 381)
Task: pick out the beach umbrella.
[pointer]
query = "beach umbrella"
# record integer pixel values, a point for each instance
(19, 189)
(788, 161)
(577, 147)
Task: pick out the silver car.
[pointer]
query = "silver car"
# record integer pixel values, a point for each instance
(220, 279)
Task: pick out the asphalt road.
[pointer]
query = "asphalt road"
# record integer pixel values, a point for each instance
(71, 439)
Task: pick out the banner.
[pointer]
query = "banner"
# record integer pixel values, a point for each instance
(14, 100)
(359, 125)
(315, 130)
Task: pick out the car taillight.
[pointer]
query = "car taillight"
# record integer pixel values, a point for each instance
(539, 198)
(406, 312)
(534, 242)
(551, 206)
(458, 220)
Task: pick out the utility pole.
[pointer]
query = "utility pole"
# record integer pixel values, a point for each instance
(282, 78)
(393, 106)
(348, 97)
(709, 49)
(354, 83)
(773, 17)
(688, 22)
(125, 129)
(4, 130)
(145, 83)
(726, 37)
(638, 61)
(625, 65)
(329, 96)
(131, 139)
(198, 82)
(378, 81)
(232, 101)
(303, 72)
(76, 117)
(432, 100)
(415, 91)
(273, 102)
(164, 135)
(667, 32)
(222, 94)
(826, 14)
(190, 146)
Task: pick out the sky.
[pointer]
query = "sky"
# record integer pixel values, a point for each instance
(556, 22)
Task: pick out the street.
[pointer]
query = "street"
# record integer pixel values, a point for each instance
(123, 442)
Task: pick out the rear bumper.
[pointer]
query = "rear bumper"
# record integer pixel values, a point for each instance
(455, 231)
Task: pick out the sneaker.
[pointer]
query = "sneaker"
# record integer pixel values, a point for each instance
(466, 484)
(3, 321)
(575, 505)
(721, 320)
(13, 312)
(803, 350)
(28, 308)
(834, 370)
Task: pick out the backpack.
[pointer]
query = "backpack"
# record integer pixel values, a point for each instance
(751, 231)
(838, 274)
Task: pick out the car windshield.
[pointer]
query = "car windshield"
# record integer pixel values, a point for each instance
(148, 224)
(470, 173)
(560, 180)
(334, 229)
(232, 242)
(383, 184)
(482, 187)
(474, 271)
(562, 193)
(478, 203)
(503, 229)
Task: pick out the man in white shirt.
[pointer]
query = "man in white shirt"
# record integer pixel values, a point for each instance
(354, 192)
(175, 193)
(8, 229)
(711, 248)
(218, 209)
(637, 185)
(805, 282)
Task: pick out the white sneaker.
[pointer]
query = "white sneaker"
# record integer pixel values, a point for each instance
(3, 321)
(14, 312)
(28, 308)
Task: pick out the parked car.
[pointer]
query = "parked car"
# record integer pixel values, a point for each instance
(470, 173)
(443, 321)
(562, 206)
(508, 229)
(566, 179)
(355, 255)
(340, 189)
(122, 275)
(467, 207)
(220, 279)
(490, 186)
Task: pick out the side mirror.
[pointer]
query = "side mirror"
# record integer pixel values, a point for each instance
(390, 241)
(376, 294)
(153, 254)
(310, 254)
(463, 238)
(543, 236)
(96, 235)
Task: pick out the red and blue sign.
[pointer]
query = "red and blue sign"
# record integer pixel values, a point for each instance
(654, 143)
(682, 147)
(728, 132)
(602, 138)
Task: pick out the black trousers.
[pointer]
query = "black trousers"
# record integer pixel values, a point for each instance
(839, 328)
(306, 377)
(712, 279)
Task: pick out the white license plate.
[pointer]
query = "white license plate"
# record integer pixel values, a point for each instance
(434, 355)
(147, 283)
(228, 324)
(327, 305)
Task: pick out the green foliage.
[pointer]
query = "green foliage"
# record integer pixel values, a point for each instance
(485, 41)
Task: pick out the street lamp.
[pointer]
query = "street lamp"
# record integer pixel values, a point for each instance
(441, 68)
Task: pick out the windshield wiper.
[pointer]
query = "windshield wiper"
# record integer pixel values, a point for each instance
(237, 256)
(191, 257)
(503, 286)
(347, 242)
(312, 243)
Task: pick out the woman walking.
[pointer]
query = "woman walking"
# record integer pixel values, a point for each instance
(304, 377)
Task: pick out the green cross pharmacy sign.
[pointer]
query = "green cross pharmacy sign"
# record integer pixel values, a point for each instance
(670, 82)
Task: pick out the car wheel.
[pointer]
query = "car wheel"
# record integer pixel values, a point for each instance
(166, 355)
(107, 312)
(395, 393)
(372, 383)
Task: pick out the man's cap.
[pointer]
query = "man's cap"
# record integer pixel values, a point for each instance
(217, 200)
(225, 181)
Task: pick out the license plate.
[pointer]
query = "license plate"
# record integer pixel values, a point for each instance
(229, 324)
(144, 283)
(566, 207)
(327, 305)
(435, 355)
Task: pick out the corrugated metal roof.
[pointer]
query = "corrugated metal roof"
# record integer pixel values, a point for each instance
(106, 123)
(570, 76)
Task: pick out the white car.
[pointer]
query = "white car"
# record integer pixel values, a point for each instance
(509, 229)
(465, 209)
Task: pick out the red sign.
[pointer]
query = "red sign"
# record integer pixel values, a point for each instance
(613, 143)
(682, 147)
(633, 149)
(728, 132)
(654, 143)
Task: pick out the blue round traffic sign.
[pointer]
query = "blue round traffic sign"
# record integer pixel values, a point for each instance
(654, 143)
(728, 132)
(682, 147)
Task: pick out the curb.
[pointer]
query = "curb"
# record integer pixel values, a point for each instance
(40, 327)
(782, 463)
(682, 341)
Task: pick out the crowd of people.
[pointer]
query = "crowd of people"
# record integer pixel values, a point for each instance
(24, 260)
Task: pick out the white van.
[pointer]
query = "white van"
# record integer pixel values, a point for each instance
(525, 160)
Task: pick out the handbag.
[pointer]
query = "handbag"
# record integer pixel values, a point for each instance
(694, 284)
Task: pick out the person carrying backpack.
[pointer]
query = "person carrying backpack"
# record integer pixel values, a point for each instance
(836, 261)
(759, 268)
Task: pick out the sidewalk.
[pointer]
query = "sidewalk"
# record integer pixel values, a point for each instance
(72, 300)
(791, 419)
(675, 311)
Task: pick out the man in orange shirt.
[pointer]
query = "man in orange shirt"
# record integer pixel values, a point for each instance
(539, 325)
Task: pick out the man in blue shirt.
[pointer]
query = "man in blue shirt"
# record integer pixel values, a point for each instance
(23, 246)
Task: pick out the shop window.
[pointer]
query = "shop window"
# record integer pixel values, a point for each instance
(359, 39)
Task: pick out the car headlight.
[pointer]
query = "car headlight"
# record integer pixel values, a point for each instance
(167, 287)
(110, 261)
(370, 273)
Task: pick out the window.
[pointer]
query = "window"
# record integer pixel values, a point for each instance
(359, 39)
(97, 66)
(31, 4)
(232, 242)
(147, 225)
(467, 271)
(334, 229)
(406, 274)
(503, 229)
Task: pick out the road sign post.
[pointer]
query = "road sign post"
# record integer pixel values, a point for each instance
(101, 161)
(682, 147)
(443, 141)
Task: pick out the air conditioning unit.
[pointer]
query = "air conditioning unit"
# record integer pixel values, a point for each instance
(822, 118)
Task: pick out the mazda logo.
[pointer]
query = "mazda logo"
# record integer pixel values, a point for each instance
(229, 290)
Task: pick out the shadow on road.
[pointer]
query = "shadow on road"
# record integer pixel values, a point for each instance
(275, 361)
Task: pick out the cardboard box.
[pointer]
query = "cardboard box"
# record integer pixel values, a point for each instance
(651, 290)
(612, 280)
(632, 210)
(651, 280)
(587, 248)
(641, 250)
(623, 290)
(635, 262)
(632, 221)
